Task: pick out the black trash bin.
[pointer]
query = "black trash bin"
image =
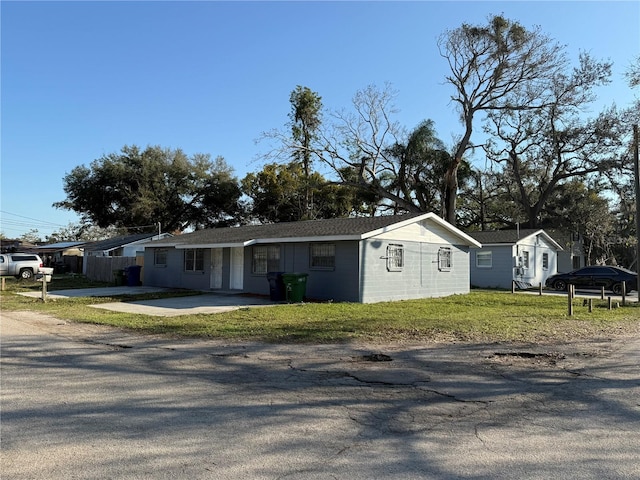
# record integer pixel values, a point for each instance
(276, 286)
(133, 275)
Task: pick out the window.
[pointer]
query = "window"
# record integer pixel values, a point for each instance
(525, 259)
(322, 256)
(395, 257)
(484, 259)
(194, 260)
(545, 261)
(444, 259)
(160, 256)
(266, 258)
(24, 258)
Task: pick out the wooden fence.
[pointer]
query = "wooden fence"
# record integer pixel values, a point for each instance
(101, 268)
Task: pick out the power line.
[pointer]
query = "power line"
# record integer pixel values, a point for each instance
(41, 223)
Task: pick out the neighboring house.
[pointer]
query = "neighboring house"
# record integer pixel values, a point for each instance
(63, 256)
(123, 246)
(526, 256)
(572, 256)
(116, 253)
(364, 259)
(11, 245)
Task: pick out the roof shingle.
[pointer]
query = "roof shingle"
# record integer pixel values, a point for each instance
(335, 227)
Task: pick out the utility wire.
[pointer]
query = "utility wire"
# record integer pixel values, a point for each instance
(42, 223)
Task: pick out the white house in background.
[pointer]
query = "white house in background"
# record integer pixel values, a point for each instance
(123, 246)
(526, 256)
(364, 259)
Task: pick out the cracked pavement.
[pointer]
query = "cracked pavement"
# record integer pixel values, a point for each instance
(85, 401)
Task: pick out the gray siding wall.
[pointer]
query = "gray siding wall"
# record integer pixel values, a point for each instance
(339, 284)
(500, 274)
(504, 258)
(419, 278)
(172, 275)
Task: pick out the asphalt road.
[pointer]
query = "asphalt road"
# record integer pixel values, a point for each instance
(89, 402)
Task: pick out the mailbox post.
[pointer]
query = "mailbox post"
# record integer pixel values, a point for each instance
(44, 276)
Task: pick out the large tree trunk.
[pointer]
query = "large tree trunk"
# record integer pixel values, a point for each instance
(450, 193)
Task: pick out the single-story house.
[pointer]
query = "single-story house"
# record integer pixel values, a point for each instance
(122, 246)
(572, 255)
(63, 256)
(526, 256)
(104, 256)
(364, 259)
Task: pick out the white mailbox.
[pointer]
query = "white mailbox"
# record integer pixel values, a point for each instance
(45, 274)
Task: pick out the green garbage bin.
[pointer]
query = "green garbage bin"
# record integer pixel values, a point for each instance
(295, 286)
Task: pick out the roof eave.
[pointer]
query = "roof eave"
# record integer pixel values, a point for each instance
(472, 242)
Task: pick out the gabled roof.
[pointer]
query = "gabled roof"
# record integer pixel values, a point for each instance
(332, 229)
(117, 242)
(512, 237)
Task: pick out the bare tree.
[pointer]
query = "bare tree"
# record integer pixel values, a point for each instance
(541, 148)
(488, 63)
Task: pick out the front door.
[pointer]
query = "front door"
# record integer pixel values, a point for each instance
(216, 268)
(237, 267)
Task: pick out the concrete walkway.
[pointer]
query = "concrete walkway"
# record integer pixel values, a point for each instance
(163, 307)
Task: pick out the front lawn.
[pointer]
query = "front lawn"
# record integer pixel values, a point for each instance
(482, 316)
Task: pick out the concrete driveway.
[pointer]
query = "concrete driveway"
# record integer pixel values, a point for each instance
(164, 307)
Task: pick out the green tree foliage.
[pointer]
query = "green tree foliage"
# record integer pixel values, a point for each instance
(421, 164)
(137, 187)
(84, 232)
(279, 193)
(32, 236)
(305, 115)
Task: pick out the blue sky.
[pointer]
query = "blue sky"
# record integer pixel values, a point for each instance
(83, 79)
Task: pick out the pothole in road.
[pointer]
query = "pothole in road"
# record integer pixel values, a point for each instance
(373, 357)
(550, 357)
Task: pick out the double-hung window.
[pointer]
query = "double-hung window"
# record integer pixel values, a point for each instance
(322, 256)
(160, 257)
(545, 261)
(266, 258)
(194, 260)
(484, 259)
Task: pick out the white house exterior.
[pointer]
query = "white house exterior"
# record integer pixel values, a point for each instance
(526, 256)
(364, 259)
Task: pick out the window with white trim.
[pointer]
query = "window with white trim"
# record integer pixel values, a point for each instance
(160, 257)
(322, 256)
(445, 260)
(545, 261)
(395, 257)
(266, 258)
(484, 259)
(194, 260)
(525, 259)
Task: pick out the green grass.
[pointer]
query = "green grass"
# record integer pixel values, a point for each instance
(479, 316)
